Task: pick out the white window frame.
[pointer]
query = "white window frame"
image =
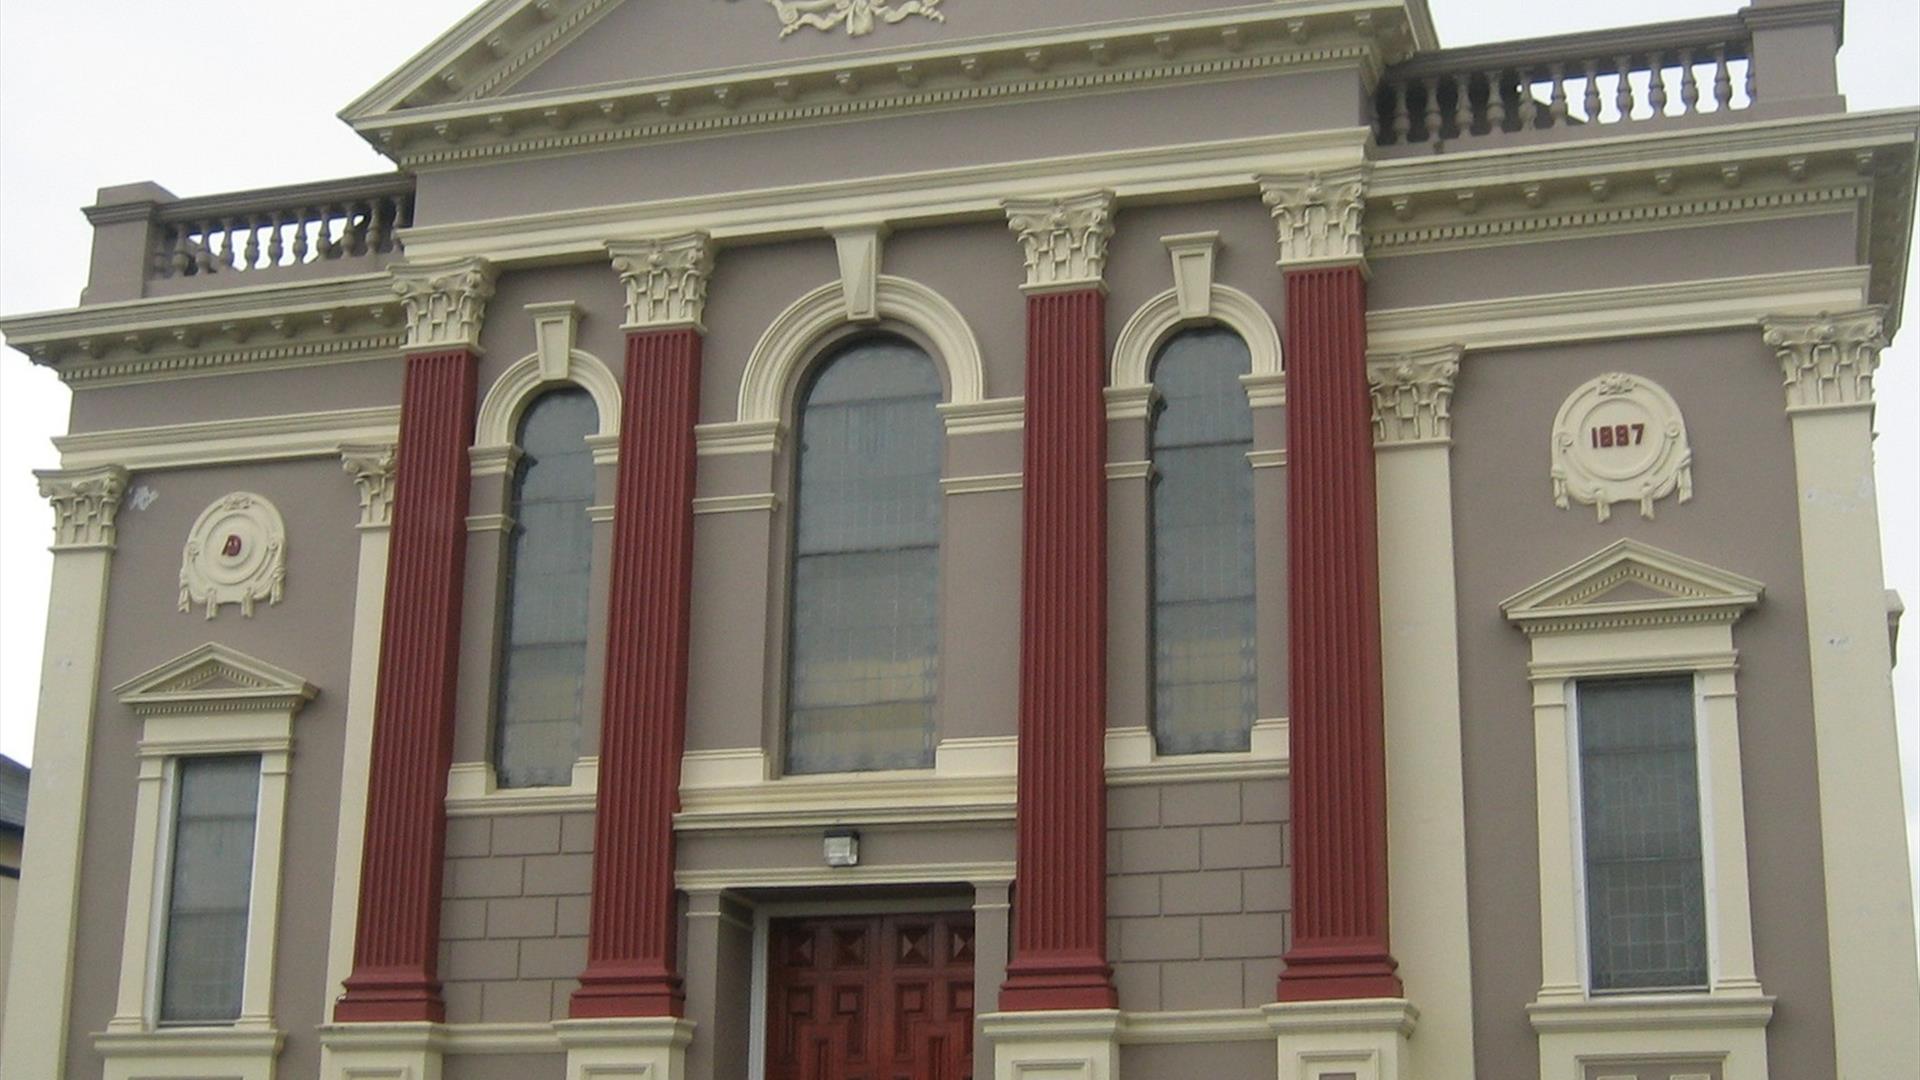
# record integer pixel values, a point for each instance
(212, 702)
(1675, 617)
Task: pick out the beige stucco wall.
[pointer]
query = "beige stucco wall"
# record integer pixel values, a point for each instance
(308, 633)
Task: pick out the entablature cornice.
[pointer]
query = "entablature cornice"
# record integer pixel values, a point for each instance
(259, 328)
(463, 130)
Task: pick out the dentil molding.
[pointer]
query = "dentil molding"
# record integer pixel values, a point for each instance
(1064, 240)
(1320, 217)
(1828, 360)
(84, 504)
(236, 553)
(445, 302)
(1413, 397)
(373, 468)
(666, 279)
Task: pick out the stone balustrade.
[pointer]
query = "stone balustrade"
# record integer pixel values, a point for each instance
(1681, 69)
(341, 222)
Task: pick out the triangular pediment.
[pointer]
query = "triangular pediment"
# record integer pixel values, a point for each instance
(1630, 581)
(215, 675)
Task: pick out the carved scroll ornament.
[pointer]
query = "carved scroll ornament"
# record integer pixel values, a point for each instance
(858, 16)
(236, 554)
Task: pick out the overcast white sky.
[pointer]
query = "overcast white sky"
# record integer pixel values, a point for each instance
(206, 96)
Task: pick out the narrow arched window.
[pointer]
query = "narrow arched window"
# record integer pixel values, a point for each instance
(543, 658)
(1203, 628)
(864, 621)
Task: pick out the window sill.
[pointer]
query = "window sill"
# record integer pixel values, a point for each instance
(1642, 1011)
(473, 791)
(243, 1051)
(1131, 758)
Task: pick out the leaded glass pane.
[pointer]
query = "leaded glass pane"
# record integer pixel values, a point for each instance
(543, 661)
(864, 653)
(209, 885)
(1203, 592)
(1640, 807)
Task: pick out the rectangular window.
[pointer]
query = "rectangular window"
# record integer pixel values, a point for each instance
(1640, 818)
(210, 881)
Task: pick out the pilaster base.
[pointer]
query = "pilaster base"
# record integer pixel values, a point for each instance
(1081, 1044)
(1364, 1039)
(409, 1051)
(1716, 1034)
(627, 1048)
(240, 1053)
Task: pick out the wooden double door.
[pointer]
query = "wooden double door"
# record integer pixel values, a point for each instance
(885, 997)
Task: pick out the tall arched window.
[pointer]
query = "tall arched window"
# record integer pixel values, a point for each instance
(864, 621)
(1203, 628)
(543, 659)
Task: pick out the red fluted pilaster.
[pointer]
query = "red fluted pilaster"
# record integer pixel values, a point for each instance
(1059, 954)
(1340, 948)
(631, 944)
(397, 945)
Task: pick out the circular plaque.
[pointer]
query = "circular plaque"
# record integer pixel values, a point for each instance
(1620, 438)
(236, 554)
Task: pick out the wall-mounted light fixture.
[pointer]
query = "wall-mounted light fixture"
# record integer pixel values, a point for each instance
(842, 847)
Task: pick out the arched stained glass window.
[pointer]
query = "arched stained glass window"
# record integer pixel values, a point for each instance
(1203, 592)
(864, 623)
(543, 659)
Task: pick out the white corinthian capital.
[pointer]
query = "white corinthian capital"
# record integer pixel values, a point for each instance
(1063, 239)
(445, 301)
(1828, 361)
(1413, 396)
(1319, 215)
(666, 279)
(84, 504)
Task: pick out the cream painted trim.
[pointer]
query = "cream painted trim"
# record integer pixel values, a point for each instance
(1161, 317)
(356, 756)
(1130, 470)
(1265, 391)
(190, 1053)
(981, 485)
(1200, 1026)
(473, 790)
(501, 1038)
(937, 873)
(1636, 1028)
(601, 514)
(911, 796)
(1365, 1039)
(1267, 459)
(1081, 1044)
(1130, 402)
(221, 442)
(774, 368)
(509, 395)
(40, 982)
(757, 502)
(732, 767)
(1575, 631)
(733, 437)
(1222, 167)
(1426, 787)
(1632, 311)
(1132, 759)
(211, 700)
(984, 417)
(382, 1051)
(489, 523)
(1870, 919)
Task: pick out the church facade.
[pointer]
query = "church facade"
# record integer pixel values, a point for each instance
(842, 539)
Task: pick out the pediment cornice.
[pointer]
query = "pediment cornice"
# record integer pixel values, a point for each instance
(215, 678)
(1630, 583)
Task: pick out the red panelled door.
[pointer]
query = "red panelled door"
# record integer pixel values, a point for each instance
(874, 998)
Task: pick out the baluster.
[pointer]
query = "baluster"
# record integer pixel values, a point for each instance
(1722, 79)
(1689, 84)
(1401, 122)
(382, 223)
(203, 255)
(1657, 83)
(329, 245)
(1591, 100)
(1496, 101)
(179, 253)
(1462, 106)
(1557, 108)
(1623, 94)
(1529, 108)
(300, 237)
(253, 241)
(276, 241)
(361, 219)
(1431, 88)
(1750, 83)
(229, 250)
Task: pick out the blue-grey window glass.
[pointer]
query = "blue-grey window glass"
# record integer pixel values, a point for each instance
(1640, 813)
(204, 961)
(543, 661)
(863, 660)
(1203, 593)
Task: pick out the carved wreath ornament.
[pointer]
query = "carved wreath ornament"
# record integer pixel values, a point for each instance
(1620, 438)
(236, 554)
(858, 16)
